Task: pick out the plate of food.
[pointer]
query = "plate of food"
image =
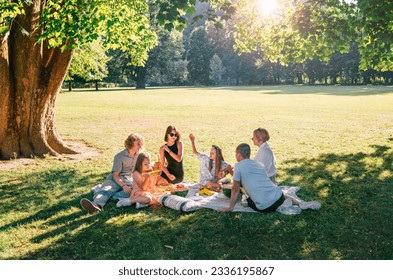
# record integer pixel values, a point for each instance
(180, 190)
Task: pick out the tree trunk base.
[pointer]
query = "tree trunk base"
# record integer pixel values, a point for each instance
(83, 152)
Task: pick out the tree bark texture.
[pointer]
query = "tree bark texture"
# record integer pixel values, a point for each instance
(141, 77)
(30, 78)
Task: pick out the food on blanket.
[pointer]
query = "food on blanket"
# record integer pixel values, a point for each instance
(180, 186)
(169, 187)
(205, 191)
(179, 190)
(211, 188)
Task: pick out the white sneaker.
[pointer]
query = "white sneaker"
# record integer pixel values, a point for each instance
(140, 205)
(244, 201)
(287, 203)
(123, 202)
(314, 205)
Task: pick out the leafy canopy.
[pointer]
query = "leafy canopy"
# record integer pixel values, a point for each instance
(306, 29)
(120, 24)
(89, 62)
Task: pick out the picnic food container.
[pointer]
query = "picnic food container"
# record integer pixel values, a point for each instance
(226, 190)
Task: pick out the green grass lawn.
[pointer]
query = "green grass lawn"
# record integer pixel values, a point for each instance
(335, 142)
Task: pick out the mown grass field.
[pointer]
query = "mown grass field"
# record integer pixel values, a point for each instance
(336, 143)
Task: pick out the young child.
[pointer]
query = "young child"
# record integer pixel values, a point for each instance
(212, 167)
(143, 184)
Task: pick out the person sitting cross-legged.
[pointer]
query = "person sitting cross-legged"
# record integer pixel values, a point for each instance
(262, 194)
(121, 176)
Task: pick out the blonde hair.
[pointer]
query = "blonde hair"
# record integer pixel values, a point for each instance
(131, 139)
(262, 133)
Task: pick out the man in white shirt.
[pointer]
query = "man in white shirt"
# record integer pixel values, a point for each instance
(265, 154)
(263, 195)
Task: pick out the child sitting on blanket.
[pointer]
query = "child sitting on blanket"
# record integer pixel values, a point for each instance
(143, 184)
(212, 167)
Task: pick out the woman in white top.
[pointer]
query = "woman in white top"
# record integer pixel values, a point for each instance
(265, 154)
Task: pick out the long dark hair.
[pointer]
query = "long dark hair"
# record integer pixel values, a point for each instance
(139, 160)
(218, 161)
(168, 130)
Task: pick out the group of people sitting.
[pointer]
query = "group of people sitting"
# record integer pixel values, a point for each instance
(132, 182)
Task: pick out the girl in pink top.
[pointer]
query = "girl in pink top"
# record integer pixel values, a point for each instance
(143, 184)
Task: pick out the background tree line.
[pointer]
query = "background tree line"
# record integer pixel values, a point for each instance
(204, 54)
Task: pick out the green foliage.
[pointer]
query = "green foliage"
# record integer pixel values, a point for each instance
(118, 67)
(217, 70)
(198, 56)
(376, 27)
(165, 64)
(299, 30)
(8, 12)
(302, 30)
(89, 62)
(122, 24)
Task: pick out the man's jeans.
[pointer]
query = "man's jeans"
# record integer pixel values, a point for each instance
(105, 192)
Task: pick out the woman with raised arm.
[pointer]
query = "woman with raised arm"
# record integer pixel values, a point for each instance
(212, 166)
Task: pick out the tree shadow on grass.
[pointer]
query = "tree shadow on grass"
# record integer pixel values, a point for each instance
(356, 191)
(44, 194)
(354, 222)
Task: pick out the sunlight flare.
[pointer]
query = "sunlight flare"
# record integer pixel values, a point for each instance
(268, 7)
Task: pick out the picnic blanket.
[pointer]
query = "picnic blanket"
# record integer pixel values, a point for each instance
(219, 201)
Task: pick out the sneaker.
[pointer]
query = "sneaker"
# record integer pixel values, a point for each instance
(123, 202)
(89, 206)
(287, 208)
(287, 203)
(140, 205)
(244, 201)
(314, 205)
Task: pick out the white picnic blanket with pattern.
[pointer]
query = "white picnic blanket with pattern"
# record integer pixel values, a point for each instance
(219, 201)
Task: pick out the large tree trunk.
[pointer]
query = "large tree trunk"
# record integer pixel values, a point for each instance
(141, 77)
(31, 77)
